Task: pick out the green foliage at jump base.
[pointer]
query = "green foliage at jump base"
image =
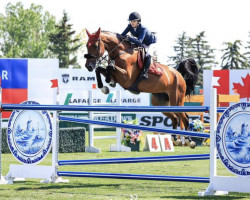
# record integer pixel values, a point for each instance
(71, 140)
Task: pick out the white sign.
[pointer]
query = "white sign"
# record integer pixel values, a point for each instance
(29, 135)
(74, 85)
(152, 143)
(166, 143)
(154, 120)
(40, 72)
(76, 79)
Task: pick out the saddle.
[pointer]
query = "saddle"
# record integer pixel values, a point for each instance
(154, 68)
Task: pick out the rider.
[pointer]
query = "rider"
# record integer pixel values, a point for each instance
(143, 37)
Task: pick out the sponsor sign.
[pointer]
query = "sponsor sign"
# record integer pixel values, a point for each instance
(75, 84)
(81, 97)
(161, 121)
(76, 79)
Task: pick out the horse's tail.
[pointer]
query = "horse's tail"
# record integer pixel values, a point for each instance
(189, 71)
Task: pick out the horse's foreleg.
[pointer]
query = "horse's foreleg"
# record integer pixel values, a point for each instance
(110, 68)
(98, 77)
(104, 89)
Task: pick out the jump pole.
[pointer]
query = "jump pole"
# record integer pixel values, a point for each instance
(134, 160)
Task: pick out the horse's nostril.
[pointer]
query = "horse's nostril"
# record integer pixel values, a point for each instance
(89, 68)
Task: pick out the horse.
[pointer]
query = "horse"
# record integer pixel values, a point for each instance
(169, 89)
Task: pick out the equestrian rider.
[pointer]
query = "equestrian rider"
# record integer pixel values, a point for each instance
(142, 37)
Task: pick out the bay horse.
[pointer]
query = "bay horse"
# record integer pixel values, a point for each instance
(169, 89)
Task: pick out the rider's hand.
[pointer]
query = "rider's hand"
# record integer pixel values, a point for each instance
(127, 38)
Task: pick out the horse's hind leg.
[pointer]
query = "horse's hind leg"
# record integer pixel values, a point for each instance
(162, 99)
(174, 118)
(177, 99)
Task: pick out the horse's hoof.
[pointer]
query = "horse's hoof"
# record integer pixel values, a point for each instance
(100, 85)
(192, 144)
(112, 84)
(105, 90)
(134, 92)
(108, 80)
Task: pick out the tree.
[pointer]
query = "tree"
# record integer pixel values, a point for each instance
(247, 54)
(182, 49)
(63, 45)
(202, 53)
(24, 32)
(233, 58)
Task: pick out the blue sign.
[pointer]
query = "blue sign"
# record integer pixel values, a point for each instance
(233, 139)
(14, 73)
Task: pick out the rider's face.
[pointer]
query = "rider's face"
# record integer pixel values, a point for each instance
(134, 23)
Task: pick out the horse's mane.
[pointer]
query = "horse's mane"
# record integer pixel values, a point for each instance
(117, 35)
(120, 38)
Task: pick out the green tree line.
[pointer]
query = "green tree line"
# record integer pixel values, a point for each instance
(235, 55)
(33, 33)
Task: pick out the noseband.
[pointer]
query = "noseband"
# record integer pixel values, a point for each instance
(89, 56)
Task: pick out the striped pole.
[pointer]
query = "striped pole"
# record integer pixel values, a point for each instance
(136, 127)
(134, 176)
(107, 108)
(134, 160)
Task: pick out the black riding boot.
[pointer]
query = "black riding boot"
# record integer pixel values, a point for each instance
(144, 74)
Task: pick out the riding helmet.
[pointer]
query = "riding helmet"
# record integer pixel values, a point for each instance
(134, 16)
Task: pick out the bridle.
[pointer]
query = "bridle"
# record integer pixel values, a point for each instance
(91, 56)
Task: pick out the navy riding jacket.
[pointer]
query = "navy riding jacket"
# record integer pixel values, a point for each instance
(142, 34)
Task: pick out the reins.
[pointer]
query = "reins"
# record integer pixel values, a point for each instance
(91, 56)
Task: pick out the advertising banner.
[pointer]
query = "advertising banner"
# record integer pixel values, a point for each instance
(75, 85)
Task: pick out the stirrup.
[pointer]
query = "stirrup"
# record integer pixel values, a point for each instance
(144, 76)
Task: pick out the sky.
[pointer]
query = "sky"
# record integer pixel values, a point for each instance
(222, 20)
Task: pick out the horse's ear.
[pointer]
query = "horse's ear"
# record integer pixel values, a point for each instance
(98, 32)
(88, 33)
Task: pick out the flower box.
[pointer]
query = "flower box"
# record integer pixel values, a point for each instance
(132, 138)
(134, 147)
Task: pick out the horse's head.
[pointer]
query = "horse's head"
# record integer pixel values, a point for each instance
(95, 48)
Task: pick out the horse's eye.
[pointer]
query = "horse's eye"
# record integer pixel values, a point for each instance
(95, 46)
